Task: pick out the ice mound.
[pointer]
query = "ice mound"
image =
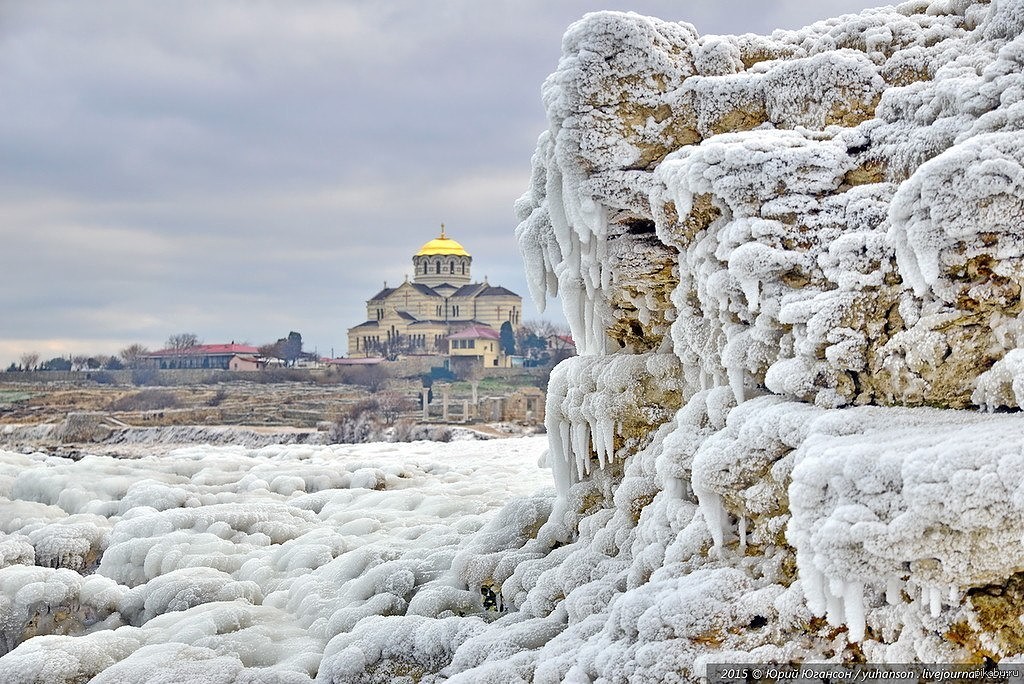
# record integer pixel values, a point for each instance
(227, 564)
(828, 223)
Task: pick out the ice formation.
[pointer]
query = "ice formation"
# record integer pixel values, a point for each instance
(792, 265)
(224, 564)
(824, 227)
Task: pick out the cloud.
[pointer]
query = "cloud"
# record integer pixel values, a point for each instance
(243, 169)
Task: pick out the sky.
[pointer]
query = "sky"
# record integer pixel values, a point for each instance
(242, 169)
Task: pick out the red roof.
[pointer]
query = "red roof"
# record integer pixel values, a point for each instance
(209, 350)
(476, 332)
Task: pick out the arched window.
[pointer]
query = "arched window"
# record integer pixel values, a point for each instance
(463, 268)
(451, 267)
(437, 267)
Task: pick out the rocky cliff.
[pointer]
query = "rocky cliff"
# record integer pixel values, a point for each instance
(792, 265)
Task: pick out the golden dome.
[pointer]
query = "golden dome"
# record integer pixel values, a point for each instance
(442, 245)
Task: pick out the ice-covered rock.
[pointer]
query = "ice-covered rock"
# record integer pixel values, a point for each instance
(832, 219)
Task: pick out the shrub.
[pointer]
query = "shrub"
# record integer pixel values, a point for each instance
(358, 424)
(377, 419)
(101, 377)
(218, 397)
(145, 377)
(146, 400)
(370, 377)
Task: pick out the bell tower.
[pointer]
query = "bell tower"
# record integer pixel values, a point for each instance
(442, 261)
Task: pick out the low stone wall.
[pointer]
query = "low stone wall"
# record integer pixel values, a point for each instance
(403, 368)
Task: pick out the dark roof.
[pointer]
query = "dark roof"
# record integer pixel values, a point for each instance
(470, 290)
(405, 315)
(425, 289)
(388, 291)
(427, 322)
(383, 293)
(367, 324)
(496, 291)
(483, 290)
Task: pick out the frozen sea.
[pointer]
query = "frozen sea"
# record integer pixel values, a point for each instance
(222, 563)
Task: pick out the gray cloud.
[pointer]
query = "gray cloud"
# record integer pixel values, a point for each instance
(244, 169)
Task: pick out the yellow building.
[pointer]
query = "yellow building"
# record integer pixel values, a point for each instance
(474, 346)
(418, 316)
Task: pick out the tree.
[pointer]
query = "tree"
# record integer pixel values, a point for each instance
(113, 363)
(533, 342)
(57, 363)
(29, 360)
(288, 349)
(271, 350)
(291, 347)
(391, 405)
(133, 355)
(78, 361)
(182, 341)
(508, 339)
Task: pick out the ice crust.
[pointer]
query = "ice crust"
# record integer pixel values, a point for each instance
(792, 266)
(838, 214)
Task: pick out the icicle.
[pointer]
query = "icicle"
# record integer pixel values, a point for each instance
(833, 597)
(892, 591)
(564, 433)
(715, 516)
(853, 602)
(603, 435)
(954, 595)
(752, 291)
(935, 600)
(736, 382)
(743, 533)
(813, 582)
(581, 447)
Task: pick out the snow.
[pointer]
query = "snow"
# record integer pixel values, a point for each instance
(842, 207)
(793, 269)
(210, 562)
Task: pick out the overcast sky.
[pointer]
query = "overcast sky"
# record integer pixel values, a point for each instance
(240, 169)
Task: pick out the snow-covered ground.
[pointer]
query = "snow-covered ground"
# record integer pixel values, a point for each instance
(196, 564)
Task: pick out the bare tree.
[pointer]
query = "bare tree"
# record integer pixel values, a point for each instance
(29, 360)
(288, 349)
(78, 361)
(182, 341)
(391, 405)
(133, 355)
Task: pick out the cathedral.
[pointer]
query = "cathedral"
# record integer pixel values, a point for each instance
(441, 301)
